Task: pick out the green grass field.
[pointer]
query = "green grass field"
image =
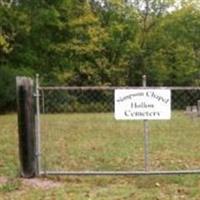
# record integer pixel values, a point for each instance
(98, 142)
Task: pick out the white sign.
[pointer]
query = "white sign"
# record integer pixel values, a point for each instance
(140, 104)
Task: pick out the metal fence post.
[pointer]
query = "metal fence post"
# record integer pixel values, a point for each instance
(37, 128)
(26, 126)
(146, 134)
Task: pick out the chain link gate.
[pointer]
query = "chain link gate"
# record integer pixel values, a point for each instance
(78, 135)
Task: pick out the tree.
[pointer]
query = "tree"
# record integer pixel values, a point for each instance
(107, 42)
(174, 48)
(119, 20)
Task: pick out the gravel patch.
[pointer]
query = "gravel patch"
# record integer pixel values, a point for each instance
(41, 183)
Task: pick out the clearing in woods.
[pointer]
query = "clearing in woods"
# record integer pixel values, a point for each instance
(98, 142)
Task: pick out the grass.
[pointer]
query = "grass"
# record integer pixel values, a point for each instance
(98, 142)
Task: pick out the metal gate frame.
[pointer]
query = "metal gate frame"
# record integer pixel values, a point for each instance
(144, 172)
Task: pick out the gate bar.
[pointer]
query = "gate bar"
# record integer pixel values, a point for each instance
(111, 88)
(120, 173)
(146, 133)
(38, 145)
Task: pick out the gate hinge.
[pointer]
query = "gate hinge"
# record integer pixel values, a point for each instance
(36, 95)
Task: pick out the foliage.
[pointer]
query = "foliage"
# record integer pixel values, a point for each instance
(7, 89)
(107, 42)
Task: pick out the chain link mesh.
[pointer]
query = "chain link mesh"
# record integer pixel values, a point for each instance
(79, 132)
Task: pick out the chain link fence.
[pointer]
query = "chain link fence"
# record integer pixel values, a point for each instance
(79, 132)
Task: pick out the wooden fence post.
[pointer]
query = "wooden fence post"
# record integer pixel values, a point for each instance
(26, 126)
